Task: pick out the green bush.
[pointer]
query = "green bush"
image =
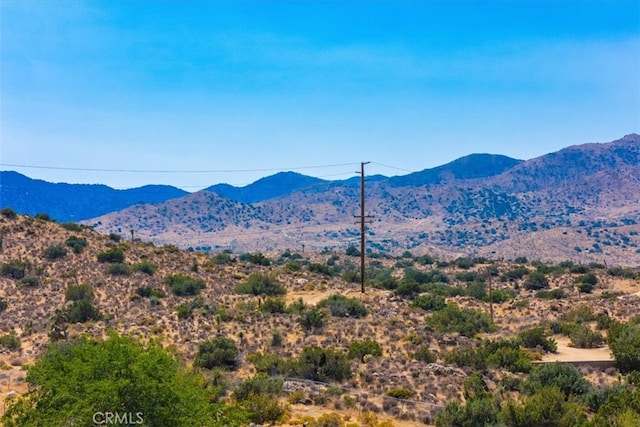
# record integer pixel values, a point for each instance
(475, 412)
(112, 255)
(341, 306)
(583, 337)
(149, 292)
(624, 272)
(501, 295)
(3, 305)
(562, 375)
(273, 305)
(222, 258)
(536, 281)
(536, 337)
(579, 314)
(271, 364)
(511, 359)
(30, 281)
(81, 311)
(82, 292)
(557, 293)
(261, 284)
(185, 310)
(578, 269)
(424, 354)
(515, 273)
(359, 349)
(182, 285)
(71, 226)
(312, 320)
(10, 341)
(76, 379)
(55, 252)
(146, 267)
(262, 408)
(320, 269)
(546, 407)
(624, 341)
(589, 278)
(8, 213)
(256, 258)
(43, 216)
(429, 302)
(14, 269)
(218, 352)
(505, 354)
(115, 237)
(258, 384)
(76, 244)
(467, 321)
(585, 288)
(323, 364)
(119, 269)
(400, 393)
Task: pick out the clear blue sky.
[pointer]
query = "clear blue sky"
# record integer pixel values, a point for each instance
(204, 85)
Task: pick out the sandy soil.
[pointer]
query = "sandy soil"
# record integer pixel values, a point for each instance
(571, 354)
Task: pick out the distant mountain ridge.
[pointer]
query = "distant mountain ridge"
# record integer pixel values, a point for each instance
(469, 167)
(582, 202)
(75, 202)
(266, 188)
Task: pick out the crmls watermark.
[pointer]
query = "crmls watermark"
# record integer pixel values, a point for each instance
(115, 418)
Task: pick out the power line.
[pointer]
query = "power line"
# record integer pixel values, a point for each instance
(174, 171)
(392, 167)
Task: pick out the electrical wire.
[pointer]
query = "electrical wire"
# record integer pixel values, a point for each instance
(175, 171)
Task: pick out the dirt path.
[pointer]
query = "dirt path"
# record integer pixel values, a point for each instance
(571, 354)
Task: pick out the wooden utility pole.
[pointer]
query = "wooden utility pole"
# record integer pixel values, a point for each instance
(363, 219)
(490, 297)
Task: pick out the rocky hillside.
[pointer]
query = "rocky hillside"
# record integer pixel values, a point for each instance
(402, 359)
(582, 202)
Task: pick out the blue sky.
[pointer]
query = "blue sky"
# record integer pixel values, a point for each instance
(255, 87)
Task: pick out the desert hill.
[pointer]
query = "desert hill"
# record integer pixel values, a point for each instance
(41, 261)
(584, 198)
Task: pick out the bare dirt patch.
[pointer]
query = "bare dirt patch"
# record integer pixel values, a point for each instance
(567, 353)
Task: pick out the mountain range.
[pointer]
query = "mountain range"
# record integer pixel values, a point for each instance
(582, 203)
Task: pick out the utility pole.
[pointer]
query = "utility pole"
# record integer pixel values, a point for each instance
(363, 219)
(490, 296)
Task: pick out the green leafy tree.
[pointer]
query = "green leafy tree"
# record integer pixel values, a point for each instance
(73, 380)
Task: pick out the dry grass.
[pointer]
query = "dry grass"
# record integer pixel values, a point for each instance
(391, 321)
